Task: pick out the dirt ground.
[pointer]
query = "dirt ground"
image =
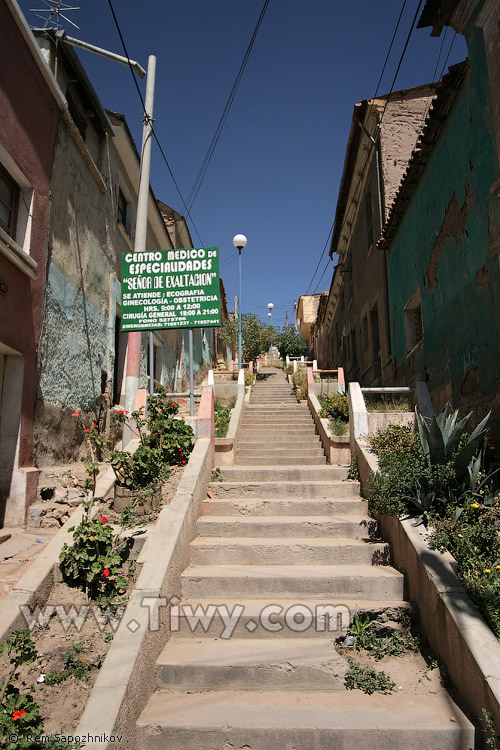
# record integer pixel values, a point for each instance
(69, 626)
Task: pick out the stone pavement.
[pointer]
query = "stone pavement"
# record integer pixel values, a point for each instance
(18, 551)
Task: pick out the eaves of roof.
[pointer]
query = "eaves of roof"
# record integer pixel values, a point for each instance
(441, 105)
(355, 136)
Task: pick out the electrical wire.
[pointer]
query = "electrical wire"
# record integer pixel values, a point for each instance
(134, 78)
(374, 96)
(215, 138)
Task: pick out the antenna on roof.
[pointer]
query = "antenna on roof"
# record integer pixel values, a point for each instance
(56, 8)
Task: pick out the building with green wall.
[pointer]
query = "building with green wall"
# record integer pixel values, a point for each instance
(442, 239)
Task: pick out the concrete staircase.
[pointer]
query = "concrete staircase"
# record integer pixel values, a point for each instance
(285, 555)
(276, 430)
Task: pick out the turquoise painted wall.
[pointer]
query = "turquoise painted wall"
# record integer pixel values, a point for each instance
(461, 309)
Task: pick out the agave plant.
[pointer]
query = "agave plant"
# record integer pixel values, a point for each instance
(441, 442)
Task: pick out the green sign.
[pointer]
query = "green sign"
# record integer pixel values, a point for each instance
(170, 289)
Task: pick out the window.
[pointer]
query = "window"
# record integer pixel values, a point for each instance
(414, 330)
(365, 332)
(17, 199)
(124, 212)
(9, 200)
(122, 208)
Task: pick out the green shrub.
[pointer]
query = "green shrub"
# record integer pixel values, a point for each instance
(473, 538)
(222, 417)
(93, 561)
(299, 379)
(367, 679)
(336, 406)
(396, 438)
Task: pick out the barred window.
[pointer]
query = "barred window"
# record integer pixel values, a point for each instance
(9, 199)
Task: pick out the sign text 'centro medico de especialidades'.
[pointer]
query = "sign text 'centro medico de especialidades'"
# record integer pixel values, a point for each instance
(170, 289)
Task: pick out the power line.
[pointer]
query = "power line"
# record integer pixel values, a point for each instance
(144, 110)
(215, 138)
(374, 96)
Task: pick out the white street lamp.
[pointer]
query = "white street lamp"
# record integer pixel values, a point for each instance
(239, 241)
(270, 315)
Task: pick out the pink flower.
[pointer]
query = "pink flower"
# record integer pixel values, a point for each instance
(105, 572)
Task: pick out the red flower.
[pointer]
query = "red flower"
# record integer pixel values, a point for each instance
(103, 519)
(155, 434)
(121, 411)
(105, 572)
(87, 431)
(18, 714)
(75, 414)
(174, 404)
(95, 425)
(183, 460)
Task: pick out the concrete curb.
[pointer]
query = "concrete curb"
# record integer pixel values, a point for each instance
(336, 447)
(455, 629)
(125, 680)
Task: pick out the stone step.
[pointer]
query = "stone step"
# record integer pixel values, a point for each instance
(329, 509)
(347, 527)
(276, 419)
(291, 408)
(273, 618)
(263, 459)
(286, 720)
(286, 455)
(339, 581)
(251, 664)
(276, 430)
(329, 489)
(286, 551)
(283, 473)
(282, 442)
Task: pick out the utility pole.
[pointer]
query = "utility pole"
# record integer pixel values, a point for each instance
(132, 377)
(286, 318)
(295, 314)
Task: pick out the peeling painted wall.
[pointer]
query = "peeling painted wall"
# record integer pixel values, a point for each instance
(444, 247)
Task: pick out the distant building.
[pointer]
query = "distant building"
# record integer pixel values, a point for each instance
(307, 312)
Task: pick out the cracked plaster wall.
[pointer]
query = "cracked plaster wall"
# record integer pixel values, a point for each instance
(444, 245)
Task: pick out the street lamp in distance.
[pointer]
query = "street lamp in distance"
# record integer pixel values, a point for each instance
(239, 241)
(270, 315)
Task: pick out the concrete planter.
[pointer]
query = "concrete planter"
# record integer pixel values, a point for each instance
(380, 420)
(337, 447)
(340, 450)
(456, 631)
(124, 496)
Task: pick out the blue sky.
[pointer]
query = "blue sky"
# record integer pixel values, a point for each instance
(276, 171)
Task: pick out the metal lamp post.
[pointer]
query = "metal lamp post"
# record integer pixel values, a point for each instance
(270, 315)
(239, 241)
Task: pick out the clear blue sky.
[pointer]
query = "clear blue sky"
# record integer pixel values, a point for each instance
(276, 171)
